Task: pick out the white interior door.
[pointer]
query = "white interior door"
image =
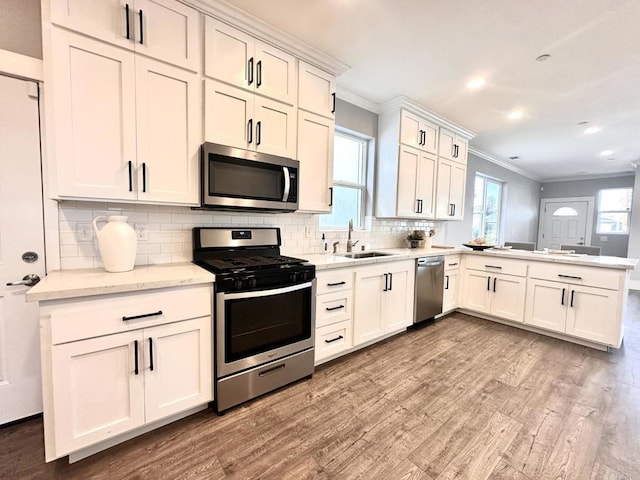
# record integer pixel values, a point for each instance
(563, 222)
(21, 231)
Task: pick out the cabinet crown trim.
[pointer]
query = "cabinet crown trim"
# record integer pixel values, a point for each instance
(418, 109)
(255, 27)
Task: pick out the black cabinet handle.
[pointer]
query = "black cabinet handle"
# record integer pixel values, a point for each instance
(336, 284)
(144, 177)
(135, 356)
(126, 18)
(562, 298)
(130, 175)
(493, 266)
(150, 354)
(339, 337)
(447, 285)
(259, 73)
(386, 282)
(258, 132)
(423, 138)
(391, 281)
(573, 292)
(250, 71)
(570, 276)
(453, 150)
(329, 309)
(250, 131)
(331, 196)
(421, 202)
(333, 108)
(488, 284)
(141, 29)
(453, 264)
(451, 209)
(417, 205)
(495, 279)
(144, 315)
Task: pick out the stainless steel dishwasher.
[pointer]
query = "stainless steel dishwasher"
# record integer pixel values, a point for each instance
(429, 283)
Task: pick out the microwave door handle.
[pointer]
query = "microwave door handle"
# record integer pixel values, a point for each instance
(287, 184)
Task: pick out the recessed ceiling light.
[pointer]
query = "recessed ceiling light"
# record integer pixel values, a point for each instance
(591, 130)
(515, 115)
(543, 58)
(583, 122)
(515, 157)
(604, 153)
(476, 83)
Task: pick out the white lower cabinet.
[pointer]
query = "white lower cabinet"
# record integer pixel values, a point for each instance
(155, 362)
(383, 300)
(451, 283)
(494, 294)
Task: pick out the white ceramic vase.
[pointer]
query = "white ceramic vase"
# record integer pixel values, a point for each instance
(117, 243)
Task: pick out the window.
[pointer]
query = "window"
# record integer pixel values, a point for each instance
(486, 208)
(349, 182)
(614, 205)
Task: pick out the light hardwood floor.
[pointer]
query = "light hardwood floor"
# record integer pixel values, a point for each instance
(465, 398)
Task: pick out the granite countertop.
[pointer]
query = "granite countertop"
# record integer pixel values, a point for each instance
(60, 284)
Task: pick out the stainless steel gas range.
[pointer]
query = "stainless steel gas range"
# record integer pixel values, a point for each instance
(264, 312)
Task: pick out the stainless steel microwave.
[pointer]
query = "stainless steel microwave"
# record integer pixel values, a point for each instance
(238, 179)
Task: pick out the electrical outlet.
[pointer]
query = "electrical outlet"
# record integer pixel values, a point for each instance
(85, 231)
(307, 231)
(141, 232)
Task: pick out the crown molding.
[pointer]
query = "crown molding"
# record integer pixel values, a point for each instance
(357, 100)
(594, 176)
(254, 26)
(503, 164)
(21, 66)
(419, 109)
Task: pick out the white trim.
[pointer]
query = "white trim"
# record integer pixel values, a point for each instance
(502, 163)
(21, 66)
(589, 177)
(634, 284)
(357, 100)
(590, 210)
(258, 28)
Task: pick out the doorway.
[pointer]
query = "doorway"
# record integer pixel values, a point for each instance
(565, 221)
(21, 248)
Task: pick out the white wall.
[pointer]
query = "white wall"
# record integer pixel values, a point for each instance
(634, 234)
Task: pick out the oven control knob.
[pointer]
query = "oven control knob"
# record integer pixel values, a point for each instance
(238, 284)
(253, 282)
(294, 276)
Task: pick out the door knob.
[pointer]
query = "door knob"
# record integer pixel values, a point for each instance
(28, 280)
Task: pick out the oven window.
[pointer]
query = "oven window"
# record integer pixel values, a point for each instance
(259, 324)
(231, 177)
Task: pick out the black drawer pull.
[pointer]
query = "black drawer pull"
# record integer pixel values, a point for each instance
(493, 266)
(453, 264)
(339, 337)
(126, 13)
(328, 309)
(135, 317)
(336, 284)
(271, 370)
(570, 276)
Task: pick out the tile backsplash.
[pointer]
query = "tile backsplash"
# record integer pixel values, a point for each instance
(164, 232)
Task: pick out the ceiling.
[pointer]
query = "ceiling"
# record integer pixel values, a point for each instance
(428, 50)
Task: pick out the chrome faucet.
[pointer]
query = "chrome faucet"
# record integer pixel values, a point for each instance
(350, 244)
(335, 246)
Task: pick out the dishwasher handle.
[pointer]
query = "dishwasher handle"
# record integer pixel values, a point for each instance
(430, 261)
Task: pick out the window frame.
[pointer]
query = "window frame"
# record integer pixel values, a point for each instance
(599, 211)
(487, 179)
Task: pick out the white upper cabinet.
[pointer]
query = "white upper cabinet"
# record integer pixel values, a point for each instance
(162, 29)
(315, 154)
(453, 146)
(239, 59)
(418, 133)
(416, 183)
(316, 90)
(450, 188)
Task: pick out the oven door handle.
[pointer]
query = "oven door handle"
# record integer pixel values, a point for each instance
(287, 184)
(264, 293)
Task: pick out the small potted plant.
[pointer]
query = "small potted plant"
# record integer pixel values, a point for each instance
(415, 239)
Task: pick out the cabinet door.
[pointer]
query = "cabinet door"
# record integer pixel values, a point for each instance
(443, 189)
(508, 297)
(169, 126)
(446, 142)
(407, 201)
(228, 115)
(275, 127)
(92, 96)
(546, 304)
(180, 354)
(461, 150)
(316, 90)
(477, 291)
(169, 31)
(275, 73)
(315, 154)
(456, 191)
(593, 314)
(397, 301)
(367, 316)
(97, 393)
(102, 19)
(450, 291)
(426, 185)
(410, 131)
(227, 52)
(430, 137)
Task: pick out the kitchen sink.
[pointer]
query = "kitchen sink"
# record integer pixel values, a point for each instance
(365, 254)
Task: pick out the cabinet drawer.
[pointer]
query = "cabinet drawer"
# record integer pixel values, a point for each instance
(577, 275)
(334, 280)
(333, 307)
(78, 319)
(333, 339)
(492, 264)
(451, 262)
